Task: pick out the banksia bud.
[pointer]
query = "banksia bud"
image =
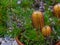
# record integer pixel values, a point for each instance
(38, 19)
(46, 31)
(56, 10)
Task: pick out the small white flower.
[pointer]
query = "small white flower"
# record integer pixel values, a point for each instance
(19, 2)
(3, 41)
(58, 37)
(49, 9)
(0, 39)
(50, 19)
(15, 43)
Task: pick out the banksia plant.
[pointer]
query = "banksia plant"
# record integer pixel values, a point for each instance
(38, 19)
(46, 31)
(56, 10)
(18, 17)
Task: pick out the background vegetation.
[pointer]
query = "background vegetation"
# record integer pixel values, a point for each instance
(15, 19)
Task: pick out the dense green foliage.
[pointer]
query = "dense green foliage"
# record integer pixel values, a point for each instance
(15, 19)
